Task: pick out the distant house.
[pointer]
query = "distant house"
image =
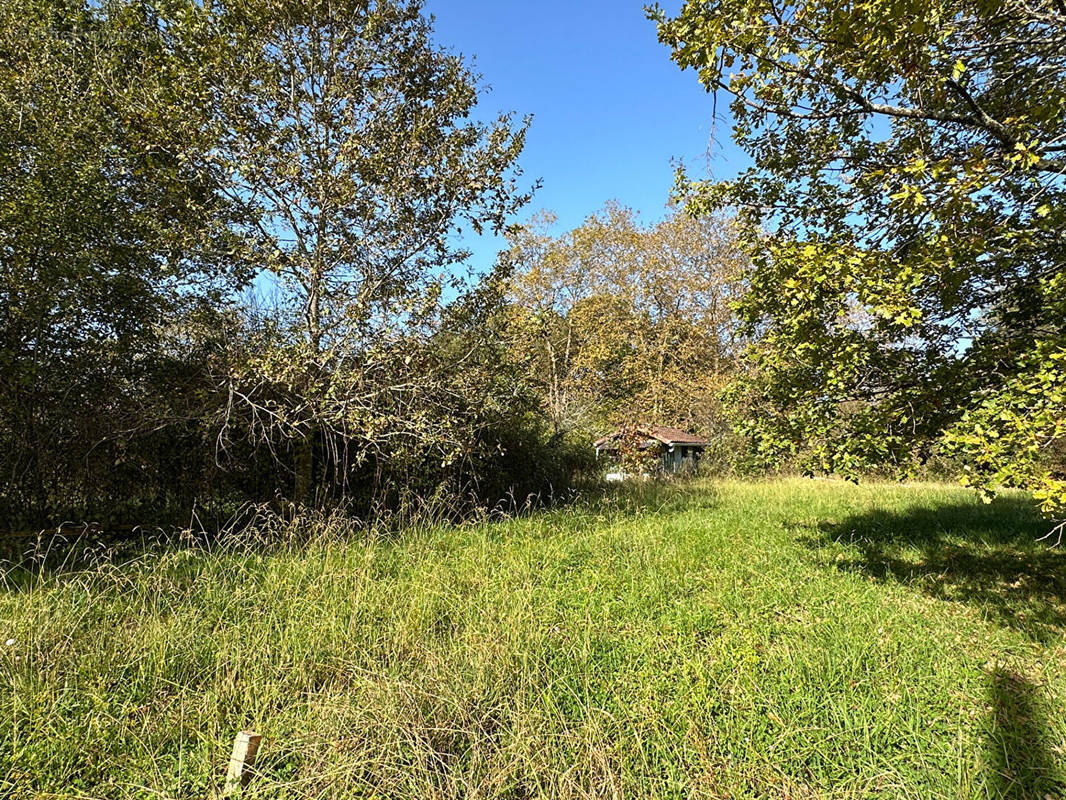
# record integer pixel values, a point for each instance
(674, 447)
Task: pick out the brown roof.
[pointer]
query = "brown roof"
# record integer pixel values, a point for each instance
(666, 435)
(674, 435)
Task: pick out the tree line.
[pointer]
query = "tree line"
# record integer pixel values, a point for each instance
(229, 270)
(229, 273)
(163, 161)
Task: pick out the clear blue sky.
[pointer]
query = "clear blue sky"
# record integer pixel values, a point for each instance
(611, 110)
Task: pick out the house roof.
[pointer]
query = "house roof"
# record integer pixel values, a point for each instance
(674, 436)
(666, 435)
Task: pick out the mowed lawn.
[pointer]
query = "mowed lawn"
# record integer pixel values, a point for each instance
(786, 639)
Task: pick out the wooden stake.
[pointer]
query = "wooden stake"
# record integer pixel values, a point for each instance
(245, 746)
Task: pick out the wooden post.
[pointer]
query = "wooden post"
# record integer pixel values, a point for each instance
(245, 746)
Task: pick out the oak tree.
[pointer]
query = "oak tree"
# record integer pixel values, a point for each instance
(905, 211)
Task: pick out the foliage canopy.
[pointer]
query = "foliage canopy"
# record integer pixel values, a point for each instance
(621, 322)
(163, 165)
(905, 208)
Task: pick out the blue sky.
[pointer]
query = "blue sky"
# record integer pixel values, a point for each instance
(611, 110)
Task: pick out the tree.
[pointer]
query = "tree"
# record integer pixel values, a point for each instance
(552, 279)
(621, 322)
(346, 134)
(905, 211)
(108, 227)
(154, 156)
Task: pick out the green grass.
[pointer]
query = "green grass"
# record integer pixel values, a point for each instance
(789, 639)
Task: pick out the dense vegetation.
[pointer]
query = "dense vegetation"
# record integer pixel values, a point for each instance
(233, 312)
(230, 275)
(776, 639)
(906, 214)
(226, 259)
(619, 322)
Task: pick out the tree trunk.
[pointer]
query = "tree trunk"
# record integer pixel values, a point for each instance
(304, 489)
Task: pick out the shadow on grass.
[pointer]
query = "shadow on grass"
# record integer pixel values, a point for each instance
(1019, 744)
(26, 561)
(986, 556)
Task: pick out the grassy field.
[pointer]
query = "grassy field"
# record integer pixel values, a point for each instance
(789, 639)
